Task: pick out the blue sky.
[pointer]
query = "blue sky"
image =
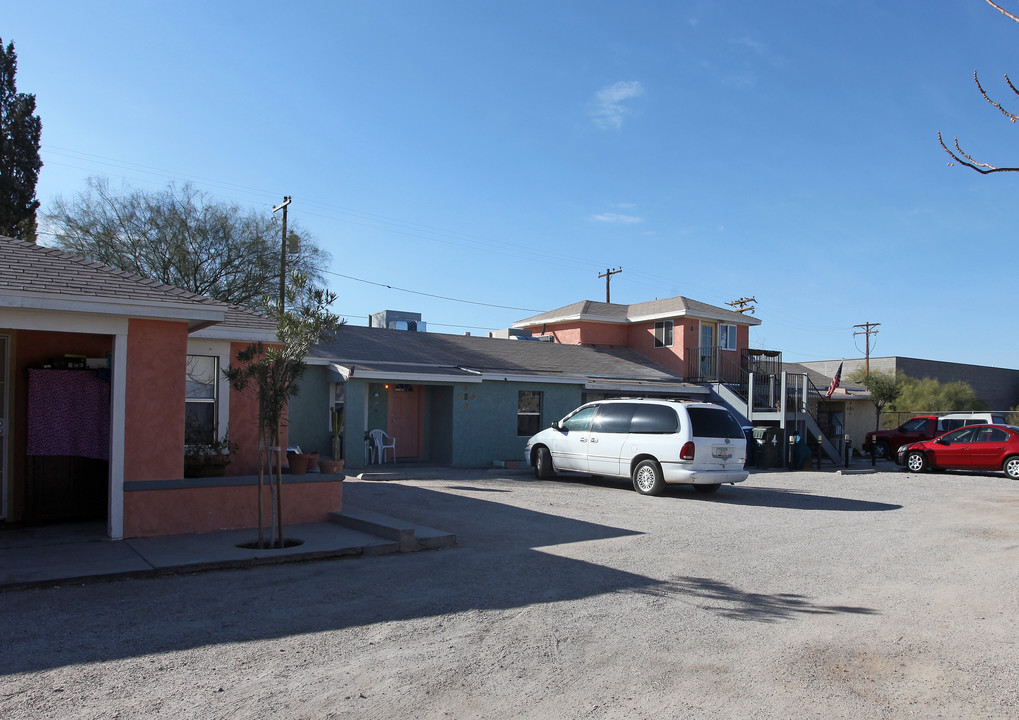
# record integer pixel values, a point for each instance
(494, 158)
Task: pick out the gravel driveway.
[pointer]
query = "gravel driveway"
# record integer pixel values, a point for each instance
(807, 595)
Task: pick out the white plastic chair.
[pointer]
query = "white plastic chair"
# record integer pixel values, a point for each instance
(383, 441)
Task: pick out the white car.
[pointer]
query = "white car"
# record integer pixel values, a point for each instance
(654, 442)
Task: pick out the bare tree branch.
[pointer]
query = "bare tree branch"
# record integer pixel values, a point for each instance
(1006, 113)
(1002, 10)
(965, 159)
(982, 168)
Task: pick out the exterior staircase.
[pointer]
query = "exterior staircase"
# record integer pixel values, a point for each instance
(788, 401)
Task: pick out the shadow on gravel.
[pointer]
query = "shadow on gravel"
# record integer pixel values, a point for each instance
(794, 500)
(743, 494)
(498, 564)
(730, 602)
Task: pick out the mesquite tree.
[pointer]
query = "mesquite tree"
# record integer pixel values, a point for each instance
(183, 237)
(273, 371)
(963, 158)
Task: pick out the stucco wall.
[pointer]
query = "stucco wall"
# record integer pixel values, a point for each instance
(684, 335)
(308, 413)
(485, 424)
(227, 507)
(154, 417)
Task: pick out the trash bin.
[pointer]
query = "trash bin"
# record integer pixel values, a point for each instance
(769, 450)
(748, 433)
(801, 451)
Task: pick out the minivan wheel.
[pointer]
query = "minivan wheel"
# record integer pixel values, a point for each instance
(543, 469)
(1011, 467)
(707, 488)
(647, 478)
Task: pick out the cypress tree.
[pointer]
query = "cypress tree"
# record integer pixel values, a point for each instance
(20, 129)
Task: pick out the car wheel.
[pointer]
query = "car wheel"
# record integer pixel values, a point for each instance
(882, 449)
(1011, 467)
(916, 461)
(707, 489)
(543, 469)
(647, 478)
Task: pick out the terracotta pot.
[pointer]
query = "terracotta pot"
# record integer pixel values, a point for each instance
(298, 463)
(330, 466)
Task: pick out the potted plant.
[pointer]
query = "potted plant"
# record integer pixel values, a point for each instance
(204, 457)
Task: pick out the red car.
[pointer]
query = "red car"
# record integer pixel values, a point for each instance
(974, 447)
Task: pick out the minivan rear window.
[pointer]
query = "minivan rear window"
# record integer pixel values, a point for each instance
(654, 419)
(708, 422)
(613, 418)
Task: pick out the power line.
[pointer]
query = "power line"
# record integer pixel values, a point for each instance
(438, 297)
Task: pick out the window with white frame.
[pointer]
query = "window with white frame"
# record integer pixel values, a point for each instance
(201, 403)
(663, 333)
(727, 337)
(528, 412)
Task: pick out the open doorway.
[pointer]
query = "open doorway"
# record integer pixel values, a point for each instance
(58, 393)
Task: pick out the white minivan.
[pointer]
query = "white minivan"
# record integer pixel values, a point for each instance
(653, 442)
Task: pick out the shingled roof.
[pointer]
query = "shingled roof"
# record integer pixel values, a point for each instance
(35, 276)
(380, 352)
(593, 311)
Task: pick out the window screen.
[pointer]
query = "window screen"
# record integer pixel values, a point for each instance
(663, 333)
(200, 383)
(528, 412)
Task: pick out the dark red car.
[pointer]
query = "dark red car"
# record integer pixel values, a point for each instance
(975, 447)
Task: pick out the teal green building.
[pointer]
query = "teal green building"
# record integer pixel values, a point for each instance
(455, 400)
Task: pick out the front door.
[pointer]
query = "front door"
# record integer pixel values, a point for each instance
(404, 404)
(4, 405)
(707, 351)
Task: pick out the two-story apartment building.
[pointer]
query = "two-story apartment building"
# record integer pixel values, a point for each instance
(692, 339)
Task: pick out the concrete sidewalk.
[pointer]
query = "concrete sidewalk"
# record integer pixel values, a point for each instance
(80, 552)
(77, 553)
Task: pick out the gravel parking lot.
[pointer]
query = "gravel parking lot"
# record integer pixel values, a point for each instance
(808, 595)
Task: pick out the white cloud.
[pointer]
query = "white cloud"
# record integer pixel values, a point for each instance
(616, 218)
(608, 110)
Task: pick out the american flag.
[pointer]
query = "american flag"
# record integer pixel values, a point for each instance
(834, 382)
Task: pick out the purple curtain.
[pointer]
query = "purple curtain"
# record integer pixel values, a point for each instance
(68, 413)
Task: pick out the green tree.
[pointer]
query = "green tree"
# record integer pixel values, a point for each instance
(884, 389)
(273, 371)
(182, 237)
(931, 395)
(20, 130)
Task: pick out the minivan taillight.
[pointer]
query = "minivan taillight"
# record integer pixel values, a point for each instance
(687, 452)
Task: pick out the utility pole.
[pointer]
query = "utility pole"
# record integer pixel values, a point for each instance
(283, 253)
(742, 303)
(868, 330)
(608, 276)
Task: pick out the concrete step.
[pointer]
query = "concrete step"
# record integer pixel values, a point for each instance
(407, 536)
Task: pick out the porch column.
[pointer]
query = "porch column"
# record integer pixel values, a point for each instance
(118, 407)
